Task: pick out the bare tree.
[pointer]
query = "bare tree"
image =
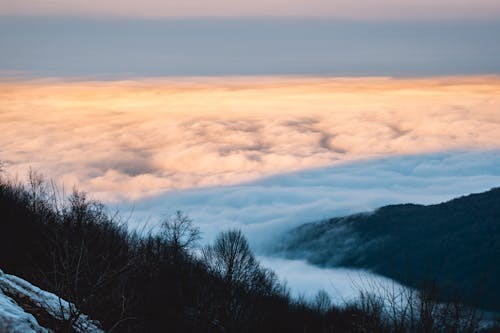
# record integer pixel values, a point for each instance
(180, 232)
(37, 189)
(230, 256)
(403, 309)
(232, 260)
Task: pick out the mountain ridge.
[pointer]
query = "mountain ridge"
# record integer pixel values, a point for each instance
(455, 244)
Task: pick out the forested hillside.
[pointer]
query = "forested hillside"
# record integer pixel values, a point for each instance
(455, 244)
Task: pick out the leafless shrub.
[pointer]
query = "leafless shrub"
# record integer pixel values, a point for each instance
(404, 309)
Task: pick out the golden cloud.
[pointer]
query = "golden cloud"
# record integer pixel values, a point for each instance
(130, 139)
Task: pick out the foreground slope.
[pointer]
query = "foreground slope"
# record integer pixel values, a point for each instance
(455, 244)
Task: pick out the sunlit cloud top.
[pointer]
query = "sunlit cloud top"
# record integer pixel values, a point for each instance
(344, 9)
(130, 139)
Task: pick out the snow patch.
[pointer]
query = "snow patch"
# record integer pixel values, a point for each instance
(15, 319)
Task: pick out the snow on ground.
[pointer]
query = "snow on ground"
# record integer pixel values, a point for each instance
(13, 318)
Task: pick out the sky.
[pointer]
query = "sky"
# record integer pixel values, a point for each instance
(90, 39)
(96, 49)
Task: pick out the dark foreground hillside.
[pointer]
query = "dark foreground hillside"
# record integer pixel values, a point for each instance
(129, 282)
(455, 244)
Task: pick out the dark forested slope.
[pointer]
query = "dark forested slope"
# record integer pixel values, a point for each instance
(455, 244)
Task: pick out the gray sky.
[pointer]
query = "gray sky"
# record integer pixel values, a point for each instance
(76, 47)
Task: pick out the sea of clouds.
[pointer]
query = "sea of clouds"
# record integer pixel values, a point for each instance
(126, 140)
(260, 154)
(266, 208)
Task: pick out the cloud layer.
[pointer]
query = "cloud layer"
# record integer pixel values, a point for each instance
(268, 207)
(129, 140)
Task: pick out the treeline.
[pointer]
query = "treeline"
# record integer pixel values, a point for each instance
(156, 282)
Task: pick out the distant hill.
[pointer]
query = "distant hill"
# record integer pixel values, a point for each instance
(455, 244)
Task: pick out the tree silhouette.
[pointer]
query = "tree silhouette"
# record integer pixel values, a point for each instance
(230, 256)
(180, 232)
